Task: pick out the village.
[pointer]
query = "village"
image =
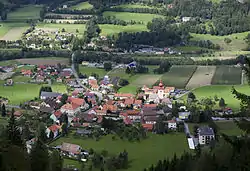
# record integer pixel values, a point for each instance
(89, 102)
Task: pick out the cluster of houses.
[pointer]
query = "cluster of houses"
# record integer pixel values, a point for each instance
(48, 39)
(48, 73)
(154, 50)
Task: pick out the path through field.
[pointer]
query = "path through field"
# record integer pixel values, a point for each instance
(14, 33)
(202, 76)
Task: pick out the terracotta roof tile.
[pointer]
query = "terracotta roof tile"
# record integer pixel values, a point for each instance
(148, 126)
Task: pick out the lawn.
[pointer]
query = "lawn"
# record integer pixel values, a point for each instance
(237, 43)
(19, 93)
(14, 33)
(107, 29)
(8, 62)
(128, 89)
(202, 76)
(121, 73)
(25, 67)
(127, 16)
(141, 154)
(25, 13)
(227, 75)
(89, 70)
(82, 5)
(223, 91)
(20, 78)
(178, 76)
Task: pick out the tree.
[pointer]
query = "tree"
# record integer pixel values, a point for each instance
(13, 132)
(4, 15)
(227, 40)
(64, 99)
(160, 126)
(63, 30)
(39, 157)
(56, 161)
(123, 82)
(42, 133)
(46, 89)
(107, 66)
(64, 129)
(191, 96)
(3, 110)
(222, 103)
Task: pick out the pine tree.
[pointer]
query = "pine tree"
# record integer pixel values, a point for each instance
(3, 110)
(39, 157)
(56, 161)
(13, 132)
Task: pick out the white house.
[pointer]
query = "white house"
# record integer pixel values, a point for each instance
(53, 128)
(205, 135)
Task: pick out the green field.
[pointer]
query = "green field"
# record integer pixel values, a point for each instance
(89, 70)
(133, 6)
(237, 43)
(5, 27)
(141, 154)
(107, 29)
(178, 76)
(227, 75)
(20, 78)
(82, 5)
(19, 93)
(128, 89)
(222, 91)
(25, 13)
(127, 16)
(68, 27)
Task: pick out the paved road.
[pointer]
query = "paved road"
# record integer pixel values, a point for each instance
(99, 94)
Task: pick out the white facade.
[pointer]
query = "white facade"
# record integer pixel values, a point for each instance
(172, 125)
(205, 139)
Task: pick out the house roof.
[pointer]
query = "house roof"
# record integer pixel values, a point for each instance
(171, 121)
(46, 109)
(123, 95)
(138, 102)
(166, 100)
(54, 128)
(150, 106)
(206, 130)
(150, 118)
(76, 101)
(50, 94)
(18, 113)
(69, 106)
(127, 121)
(58, 113)
(72, 148)
(129, 101)
(149, 111)
(133, 112)
(110, 107)
(148, 126)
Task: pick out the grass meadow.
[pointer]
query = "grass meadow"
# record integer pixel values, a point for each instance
(127, 16)
(19, 93)
(89, 70)
(133, 6)
(221, 91)
(141, 154)
(82, 5)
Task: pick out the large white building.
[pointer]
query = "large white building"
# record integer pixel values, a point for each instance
(205, 135)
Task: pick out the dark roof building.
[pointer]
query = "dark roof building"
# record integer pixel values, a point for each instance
(206, 131)
(45, 95)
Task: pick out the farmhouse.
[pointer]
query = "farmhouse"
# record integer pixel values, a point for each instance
(172, 124)
(55, 129)
(206, 135)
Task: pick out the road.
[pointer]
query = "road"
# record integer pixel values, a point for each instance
(99, 94)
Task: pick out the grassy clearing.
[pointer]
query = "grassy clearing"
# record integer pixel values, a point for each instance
(89, 70)
(141, 154)
(121, 73)
(128, 89)
(44, 61)
(202, 76)
(147, 79)
(224, 91)
(21, 78)
(19, 93)
(82, 5)
(227, 75)
(237, 43)
(68, 27)
(127, 16)
(178, 76)
(134, 6)
(114, 29)
(25, 13)
(8, 62)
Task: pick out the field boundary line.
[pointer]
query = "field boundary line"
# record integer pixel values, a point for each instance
(191, 76)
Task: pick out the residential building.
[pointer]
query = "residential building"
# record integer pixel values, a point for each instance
(44, 95)
(72, 149)
(122, 96)
(205, 135)
(183, 115)
(55, 129)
